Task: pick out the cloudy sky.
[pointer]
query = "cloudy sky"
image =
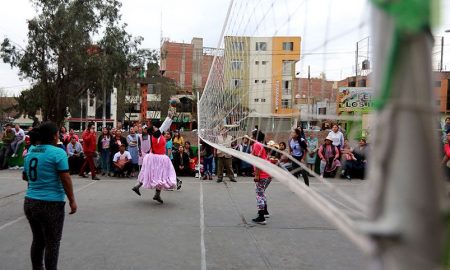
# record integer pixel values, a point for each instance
(329, 31)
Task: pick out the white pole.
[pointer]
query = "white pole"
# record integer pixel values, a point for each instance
(406, 220)
(198, 136)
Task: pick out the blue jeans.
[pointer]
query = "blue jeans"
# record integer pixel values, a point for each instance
(208, 165)
(106, 164)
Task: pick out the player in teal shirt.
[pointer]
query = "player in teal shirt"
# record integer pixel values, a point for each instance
(46, 169)
(42, 167)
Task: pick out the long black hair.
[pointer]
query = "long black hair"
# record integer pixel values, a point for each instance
(44, 133)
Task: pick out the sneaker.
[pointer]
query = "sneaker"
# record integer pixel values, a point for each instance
(219, 180)
(204, 177)
(95, 178)
(158, 199)
(179, 183)
(13, 155)
(136, 189)
(209, 177)
(233, 180)
(260, 220)
(82, 175)
(348, 177)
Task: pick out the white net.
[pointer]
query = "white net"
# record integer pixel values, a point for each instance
(278, 66)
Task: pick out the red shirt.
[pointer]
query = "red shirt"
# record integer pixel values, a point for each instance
(259, 151)
(89, 142)
(159, 145)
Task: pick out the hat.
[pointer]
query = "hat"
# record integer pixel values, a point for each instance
(329, 138)
(271, 143)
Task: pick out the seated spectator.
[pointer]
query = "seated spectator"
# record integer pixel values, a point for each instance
(76, 157)
(122, 162)
(348, 160)
(5, 151)
(181, 162)
(188, 149)
(177, 140)
(284, 162)
(358, 167)
(18, 140)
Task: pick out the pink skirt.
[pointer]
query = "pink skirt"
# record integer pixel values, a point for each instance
(157, 172)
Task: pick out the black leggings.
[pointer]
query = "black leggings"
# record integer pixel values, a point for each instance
(301, 171)
(46, 220)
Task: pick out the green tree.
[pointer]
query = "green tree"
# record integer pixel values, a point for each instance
(73, 46)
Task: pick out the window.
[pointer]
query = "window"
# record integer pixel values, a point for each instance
(256, 62)
(236, 83)
(256, 81)
(287, 67)
(287, 85)
(263, 100)
(236, 64)
(264, 81)
(261, 46)
(256, 99)
(288, 46)
(238, 45)
(285, 103)
(263, 62)
(322, 111)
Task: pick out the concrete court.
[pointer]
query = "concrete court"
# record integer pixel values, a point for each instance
(116, 229)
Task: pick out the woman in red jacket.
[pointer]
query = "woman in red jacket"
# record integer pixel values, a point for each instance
(89, 147)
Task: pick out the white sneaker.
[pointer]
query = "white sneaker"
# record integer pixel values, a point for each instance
(13, 155)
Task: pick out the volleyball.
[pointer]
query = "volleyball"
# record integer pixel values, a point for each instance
(173, 102)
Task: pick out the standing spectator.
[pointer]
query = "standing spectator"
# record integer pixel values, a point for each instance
(65, 137)
(329, 157)
(298, 150)
(224, 159)
(208, 154)
(47, 171)
(336, 136)
(446, 158)
(5, 151)
(146, 144)
(169, 144)
(89, 147)
(134, 147)
(313, 147)
(122, 161)
(177, 140)
(18, 140)
(103, 147)
(75, 153)
(262, 179)
(244, 146)
(72, 134)
(447, 125)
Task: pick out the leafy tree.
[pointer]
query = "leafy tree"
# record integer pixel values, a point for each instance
(73, 46)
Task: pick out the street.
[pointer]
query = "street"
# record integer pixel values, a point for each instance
(206, 225)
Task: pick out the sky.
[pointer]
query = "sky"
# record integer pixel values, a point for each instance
(329, 29)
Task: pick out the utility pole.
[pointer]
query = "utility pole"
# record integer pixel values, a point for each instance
(309, 96)
(356, 64)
